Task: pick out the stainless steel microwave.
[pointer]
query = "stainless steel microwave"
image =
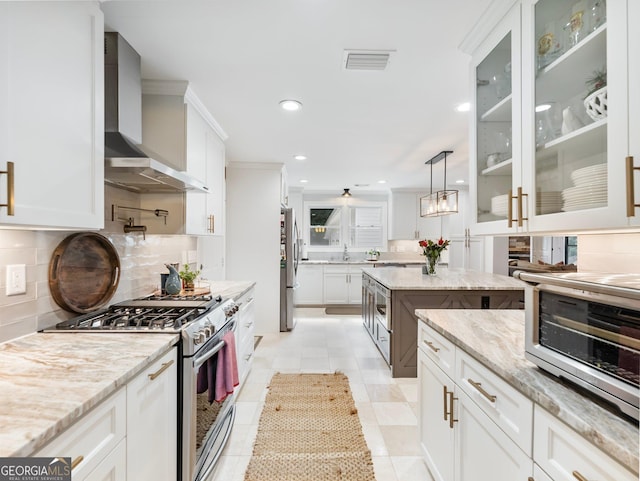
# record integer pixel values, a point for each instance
(586, 328)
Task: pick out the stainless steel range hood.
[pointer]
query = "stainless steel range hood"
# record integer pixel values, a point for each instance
(128, 164)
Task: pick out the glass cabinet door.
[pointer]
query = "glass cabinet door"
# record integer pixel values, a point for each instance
(497, 124)
(570, 128)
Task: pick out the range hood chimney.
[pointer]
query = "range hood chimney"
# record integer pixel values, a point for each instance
(128, 164)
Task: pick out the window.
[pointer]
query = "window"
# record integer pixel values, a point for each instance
(329, 226)
(324, 226)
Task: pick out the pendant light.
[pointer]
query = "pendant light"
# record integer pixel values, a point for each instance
(346, 193)
(442, 202)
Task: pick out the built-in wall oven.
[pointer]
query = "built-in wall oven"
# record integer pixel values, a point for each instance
(586, 328)
(382, 324)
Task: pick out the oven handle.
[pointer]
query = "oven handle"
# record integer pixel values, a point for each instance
(201, 360)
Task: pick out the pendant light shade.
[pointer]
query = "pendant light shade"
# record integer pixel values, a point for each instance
(442, 202)
(346, 193)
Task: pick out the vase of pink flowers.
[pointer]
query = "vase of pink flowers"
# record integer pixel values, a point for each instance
(432, 250)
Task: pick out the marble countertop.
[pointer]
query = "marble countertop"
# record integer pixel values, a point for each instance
(412, 278)
(363, 262)
(496, 339)
(49, 380)
(230, 289)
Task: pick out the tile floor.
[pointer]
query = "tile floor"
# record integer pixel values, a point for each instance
(324, 343)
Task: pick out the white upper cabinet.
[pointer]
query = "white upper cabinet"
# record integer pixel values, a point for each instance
(52, 114)
(549, 154)
(176, 125)
(405, 220)
(633, 45)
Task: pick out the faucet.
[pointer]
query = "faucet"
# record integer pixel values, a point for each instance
(345, 253)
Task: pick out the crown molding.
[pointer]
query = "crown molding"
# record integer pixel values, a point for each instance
(485, 24)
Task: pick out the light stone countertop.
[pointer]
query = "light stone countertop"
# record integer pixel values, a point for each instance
(49, 380)
(379, 262)
(412, 278)
(496, 339)
(230, 289)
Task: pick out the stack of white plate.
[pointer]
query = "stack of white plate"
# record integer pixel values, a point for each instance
(548, 202)
(499, 205)
(589, 188)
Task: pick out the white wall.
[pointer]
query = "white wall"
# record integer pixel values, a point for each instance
(253, 235)
(610, 253)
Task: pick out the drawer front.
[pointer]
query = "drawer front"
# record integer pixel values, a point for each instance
(508, 408)
(93, 436)
(437, 348)
(561, 452)
(113, 467)
(344, 269)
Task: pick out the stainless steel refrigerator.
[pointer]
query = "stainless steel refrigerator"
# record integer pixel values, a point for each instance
(289, 256)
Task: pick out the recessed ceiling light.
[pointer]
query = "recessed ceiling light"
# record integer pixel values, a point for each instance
(465, 107)
(542, 107)
(291, 105)
(382, 182)
(460, 181)
(300, 157)
(303, 181)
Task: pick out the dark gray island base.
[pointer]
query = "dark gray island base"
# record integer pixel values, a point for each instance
(407, 289)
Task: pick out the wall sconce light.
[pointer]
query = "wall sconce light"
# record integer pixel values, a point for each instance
(442, 202)
(346, 193)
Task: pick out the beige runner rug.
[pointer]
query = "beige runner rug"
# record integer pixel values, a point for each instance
(309, 431)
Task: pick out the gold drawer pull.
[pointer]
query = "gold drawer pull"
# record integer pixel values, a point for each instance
(451, 399)
(76, 461)
(10, 188)
(430, 344)
(579, 476)
(510, 209)
(520, 198)
(164, 367)
(481, 390)
(631, 205)
(444, 403)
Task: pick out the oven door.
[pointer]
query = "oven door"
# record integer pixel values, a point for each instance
(383, 306)
(206, 426)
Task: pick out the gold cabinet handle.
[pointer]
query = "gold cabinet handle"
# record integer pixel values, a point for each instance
(164, 367)
(520, 202)
(431, 346)
(510, 209)
(10, 188)
(444, 401)
(481, 390)
(631, 205)
(211, 227)
(451, 399)
(76, 461)
(579, 476)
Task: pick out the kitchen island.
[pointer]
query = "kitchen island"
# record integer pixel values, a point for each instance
(391, 296)
(552, 421)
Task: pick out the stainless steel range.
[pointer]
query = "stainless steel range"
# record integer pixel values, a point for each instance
(202, 321)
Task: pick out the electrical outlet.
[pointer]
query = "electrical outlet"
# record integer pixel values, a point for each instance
(16, 279)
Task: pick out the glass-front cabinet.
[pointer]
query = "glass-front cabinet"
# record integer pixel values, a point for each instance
(497, 132)
(553, 132)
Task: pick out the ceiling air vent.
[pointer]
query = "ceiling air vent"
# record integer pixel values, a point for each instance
(366, 59)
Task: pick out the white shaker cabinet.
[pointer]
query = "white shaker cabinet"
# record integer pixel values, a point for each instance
(152, 423)
(246, 329)
(176, 125)
(405, 220)
(343, 284)
(310, 285)
(633, 45)
(52, 114)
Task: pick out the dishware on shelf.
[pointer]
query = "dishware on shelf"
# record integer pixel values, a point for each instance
(570, 121)
(549, 46)
(589, 189)
(575, 27)
(500, 205)
(597, 14)
(596, 104)
(501, 85)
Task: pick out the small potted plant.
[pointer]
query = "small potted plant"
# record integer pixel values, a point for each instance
(188, 277)
(595, 101)
(373, 254)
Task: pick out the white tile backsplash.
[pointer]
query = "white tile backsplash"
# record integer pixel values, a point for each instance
(141, 261)
(609, 253)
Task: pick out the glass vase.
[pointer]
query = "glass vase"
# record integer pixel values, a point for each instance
(430, 267)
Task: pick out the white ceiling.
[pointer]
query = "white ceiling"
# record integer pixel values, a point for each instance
(356, 127)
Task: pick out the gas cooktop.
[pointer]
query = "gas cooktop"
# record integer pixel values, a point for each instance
(151, 313)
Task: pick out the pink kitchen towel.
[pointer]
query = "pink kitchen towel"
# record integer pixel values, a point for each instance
(227, 368)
